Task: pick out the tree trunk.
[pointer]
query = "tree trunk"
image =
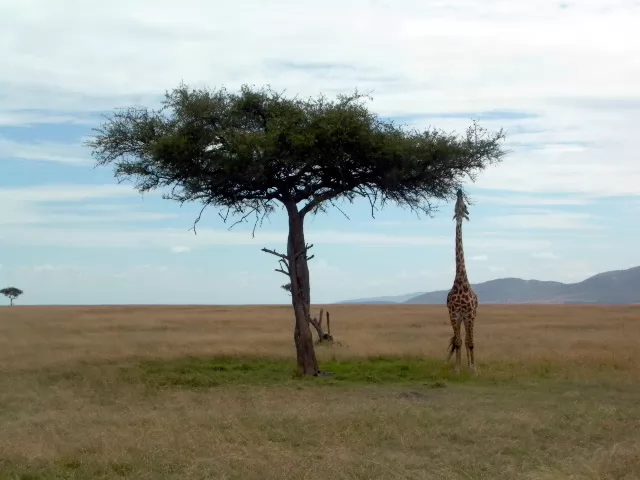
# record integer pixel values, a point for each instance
(300, 293)
(10, 302)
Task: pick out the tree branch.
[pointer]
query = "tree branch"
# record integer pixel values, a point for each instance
(372, 201)
(266, 209)
(317, 200)
(284, 265)
(206, 204)
(304, 252)
(333, 204)
(273, 252)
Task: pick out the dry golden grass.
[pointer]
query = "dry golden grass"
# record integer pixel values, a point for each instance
(83, 394)
(34, 337)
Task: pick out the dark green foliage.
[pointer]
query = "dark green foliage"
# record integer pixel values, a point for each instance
(246, 150)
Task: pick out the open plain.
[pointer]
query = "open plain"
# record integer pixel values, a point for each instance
(194, 392)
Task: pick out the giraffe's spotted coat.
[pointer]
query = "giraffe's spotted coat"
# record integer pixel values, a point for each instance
(462, 301)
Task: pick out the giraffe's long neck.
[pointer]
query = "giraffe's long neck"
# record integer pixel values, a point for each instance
(461, 271)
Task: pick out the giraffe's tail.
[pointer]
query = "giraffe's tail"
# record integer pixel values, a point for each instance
(452, 346)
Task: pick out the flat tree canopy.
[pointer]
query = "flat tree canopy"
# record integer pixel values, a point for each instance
(248, 152)
(11, 293)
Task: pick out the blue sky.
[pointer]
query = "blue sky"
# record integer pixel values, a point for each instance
(562, 78)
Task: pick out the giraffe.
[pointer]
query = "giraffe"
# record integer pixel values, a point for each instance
(462, 301)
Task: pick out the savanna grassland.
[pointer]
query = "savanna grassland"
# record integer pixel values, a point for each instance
(191, 392)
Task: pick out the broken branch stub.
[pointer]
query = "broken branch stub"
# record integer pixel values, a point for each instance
(317, 324)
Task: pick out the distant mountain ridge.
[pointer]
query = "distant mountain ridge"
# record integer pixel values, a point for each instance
(614, 287)
(386, 300)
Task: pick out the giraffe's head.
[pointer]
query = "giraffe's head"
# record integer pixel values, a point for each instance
(461, 210)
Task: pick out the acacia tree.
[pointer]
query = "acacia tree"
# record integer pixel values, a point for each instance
(11, 293)
(248, 152)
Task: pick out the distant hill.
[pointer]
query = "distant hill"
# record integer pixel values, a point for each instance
(384, 300)
(615, 287)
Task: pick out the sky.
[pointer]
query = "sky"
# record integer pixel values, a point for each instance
(561, 77)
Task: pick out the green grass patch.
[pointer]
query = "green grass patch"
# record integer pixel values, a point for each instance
(198, 372)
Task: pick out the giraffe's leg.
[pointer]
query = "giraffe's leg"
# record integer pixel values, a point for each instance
(468, 340)
(456, 340)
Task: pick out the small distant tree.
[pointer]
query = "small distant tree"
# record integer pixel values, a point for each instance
(11, 293)
(248, 152)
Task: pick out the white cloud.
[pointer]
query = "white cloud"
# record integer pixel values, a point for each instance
(48, 269)
(530, 200)
(43, 268)
(243, 278)
(26, 118)
(574, 67)
(43, 218)
(586, 173)
(44, 152)
(137, 270)
(546, 220)
(479, 258)
(64, 193)
(180, 249)
(569, 271)
(545, 255)
(167, 237)
(49, 204)
(72, 60)
(327, 273)
(394, 223)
